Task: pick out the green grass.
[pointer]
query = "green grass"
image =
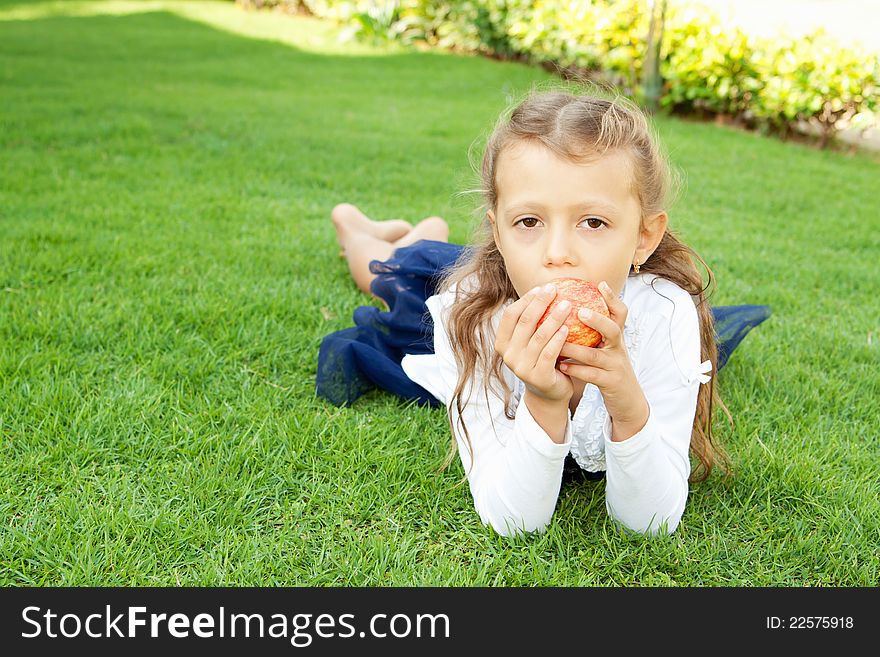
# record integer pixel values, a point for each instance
(168, 271)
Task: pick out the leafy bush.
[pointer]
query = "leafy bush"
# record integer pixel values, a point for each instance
(707, 69)
(774, 85)
(815, 80)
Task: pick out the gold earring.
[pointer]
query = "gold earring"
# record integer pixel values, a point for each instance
(636, 266)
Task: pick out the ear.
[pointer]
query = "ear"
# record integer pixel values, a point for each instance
(491, 216)
(650, 235)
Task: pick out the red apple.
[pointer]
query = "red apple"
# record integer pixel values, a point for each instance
(581, 294)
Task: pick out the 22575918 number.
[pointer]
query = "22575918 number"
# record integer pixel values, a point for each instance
(810, 622)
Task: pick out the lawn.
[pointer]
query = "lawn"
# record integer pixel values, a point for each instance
(168, 270)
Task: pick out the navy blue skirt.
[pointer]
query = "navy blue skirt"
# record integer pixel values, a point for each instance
(356, 360)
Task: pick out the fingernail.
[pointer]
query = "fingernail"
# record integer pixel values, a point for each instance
(605, 286)
(549, 288)
(585, 314)
(563, 307)
(535, 290)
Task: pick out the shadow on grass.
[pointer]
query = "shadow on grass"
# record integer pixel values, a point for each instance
(319, 123)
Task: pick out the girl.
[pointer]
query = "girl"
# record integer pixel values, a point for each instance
(574, 185)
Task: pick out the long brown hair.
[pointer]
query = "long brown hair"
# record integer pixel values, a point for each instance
(573, 120)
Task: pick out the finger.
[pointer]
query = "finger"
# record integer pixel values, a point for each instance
(587, 355)
(528, 319)
(509, 319)
(546, 332)
(585, 373)
(616, 307)
(610, 330)
(550, 353)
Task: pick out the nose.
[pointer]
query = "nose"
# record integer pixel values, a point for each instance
(558, 248)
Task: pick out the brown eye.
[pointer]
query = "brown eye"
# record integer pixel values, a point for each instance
(593, 220)
(524, 221)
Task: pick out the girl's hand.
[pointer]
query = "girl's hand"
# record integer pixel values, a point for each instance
(608, 367)
(531, 354)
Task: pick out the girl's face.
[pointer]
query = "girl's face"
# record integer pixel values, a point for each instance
(558, 219)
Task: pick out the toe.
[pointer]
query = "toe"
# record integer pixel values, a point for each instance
(341, 212)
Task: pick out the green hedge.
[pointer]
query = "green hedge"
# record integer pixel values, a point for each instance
(773, 85)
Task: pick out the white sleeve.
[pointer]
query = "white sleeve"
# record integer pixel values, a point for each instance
(516, 470)
(437, 372)
(647, 475)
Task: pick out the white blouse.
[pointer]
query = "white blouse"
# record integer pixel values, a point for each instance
(517, 468)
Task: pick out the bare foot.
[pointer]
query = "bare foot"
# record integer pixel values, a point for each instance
(432, 228)
(347, 217)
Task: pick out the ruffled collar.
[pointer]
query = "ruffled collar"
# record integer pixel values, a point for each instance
(590, 416)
